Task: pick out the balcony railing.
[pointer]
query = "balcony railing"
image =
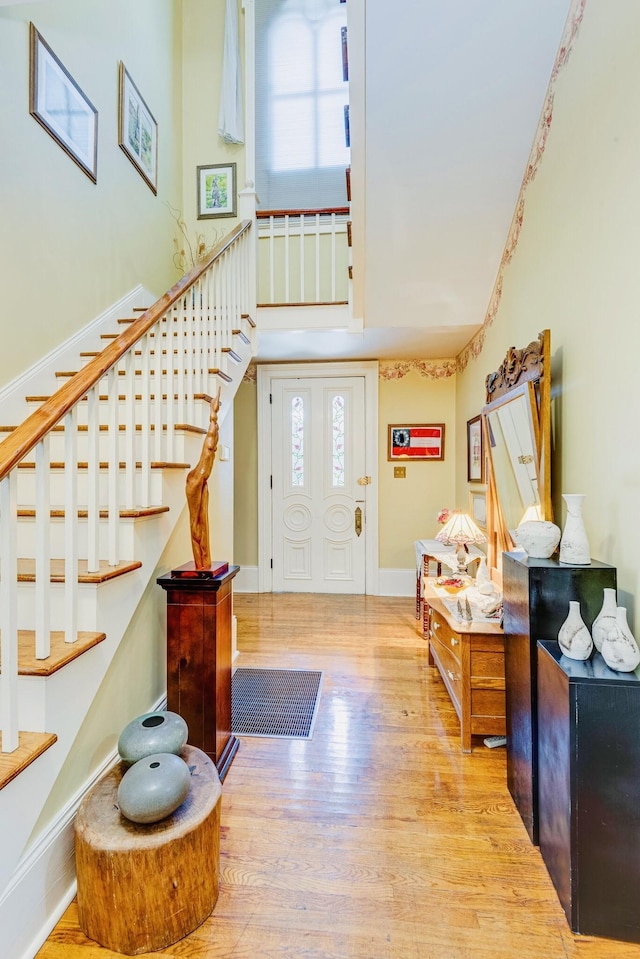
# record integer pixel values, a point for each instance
(303, 257)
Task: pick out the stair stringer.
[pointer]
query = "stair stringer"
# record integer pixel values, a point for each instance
(23, 799)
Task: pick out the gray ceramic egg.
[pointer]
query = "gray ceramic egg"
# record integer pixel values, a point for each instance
(153, 788)
(158, 732)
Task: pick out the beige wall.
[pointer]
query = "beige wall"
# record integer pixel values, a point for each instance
(203, 37)
(70, 248)
(575, 271)
(407, 507)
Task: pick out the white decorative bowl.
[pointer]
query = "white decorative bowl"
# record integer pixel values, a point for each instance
(538, 538)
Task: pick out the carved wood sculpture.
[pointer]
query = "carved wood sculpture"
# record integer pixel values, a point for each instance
(198, 491)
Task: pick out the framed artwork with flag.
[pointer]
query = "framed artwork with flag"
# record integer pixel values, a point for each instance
(416, 441)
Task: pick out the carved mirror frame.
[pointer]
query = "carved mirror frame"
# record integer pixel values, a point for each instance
(524, 371)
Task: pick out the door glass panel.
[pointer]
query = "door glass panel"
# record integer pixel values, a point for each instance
(337, 411)
(297, 441)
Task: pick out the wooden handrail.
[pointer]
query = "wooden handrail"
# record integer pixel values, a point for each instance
(32, 430)
(338, 210)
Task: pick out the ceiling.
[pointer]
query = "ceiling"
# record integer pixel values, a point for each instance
(445, 101)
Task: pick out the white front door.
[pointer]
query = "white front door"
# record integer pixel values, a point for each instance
(319, 485)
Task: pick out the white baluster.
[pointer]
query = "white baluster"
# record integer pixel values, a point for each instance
(71, 525)
(145, 421)
(93, 478)
(163, 358)
(8, 615)
(43, 549)
(129, 393)
(317, 257)
(171, 388)
(113, 467)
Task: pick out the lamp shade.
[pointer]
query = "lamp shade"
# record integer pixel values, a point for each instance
(460, 529)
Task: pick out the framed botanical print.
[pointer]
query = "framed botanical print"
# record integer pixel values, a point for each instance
(137, 130)
(475, 451)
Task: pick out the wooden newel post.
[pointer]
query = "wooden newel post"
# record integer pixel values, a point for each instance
(199, 617)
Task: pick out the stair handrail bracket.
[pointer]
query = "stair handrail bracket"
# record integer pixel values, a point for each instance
(92, 450)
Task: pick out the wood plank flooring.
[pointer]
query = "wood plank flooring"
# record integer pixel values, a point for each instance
(378, 838)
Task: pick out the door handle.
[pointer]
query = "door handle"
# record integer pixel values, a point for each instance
(358, 520)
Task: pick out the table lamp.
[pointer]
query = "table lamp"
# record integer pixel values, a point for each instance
(459, 531)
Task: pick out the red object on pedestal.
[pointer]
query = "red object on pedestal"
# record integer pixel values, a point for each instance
(217, 568)
(199, 615)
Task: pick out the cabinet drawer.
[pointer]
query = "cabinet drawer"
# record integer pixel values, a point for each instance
(442, 632)
(488, 665)
(449, 668)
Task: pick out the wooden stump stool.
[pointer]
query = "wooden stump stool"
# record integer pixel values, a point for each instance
(143, 887)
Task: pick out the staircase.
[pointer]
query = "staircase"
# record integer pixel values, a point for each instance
(92, 484)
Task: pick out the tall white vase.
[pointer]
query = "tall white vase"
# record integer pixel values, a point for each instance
(574, 637)
(574, 545)
(605, 621)
(619, 649)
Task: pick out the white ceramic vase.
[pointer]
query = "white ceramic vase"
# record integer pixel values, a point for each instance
(538, 538)
(619, 648)
(574, 638)
(574, 545)
(605, 620)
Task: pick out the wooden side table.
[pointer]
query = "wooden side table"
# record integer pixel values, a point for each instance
(470, 660)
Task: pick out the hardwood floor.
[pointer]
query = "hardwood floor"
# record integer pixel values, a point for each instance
(378, 838)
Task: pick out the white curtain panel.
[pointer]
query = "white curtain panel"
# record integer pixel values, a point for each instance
(230, 120)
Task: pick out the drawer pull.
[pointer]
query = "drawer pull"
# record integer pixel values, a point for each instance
(436, 626)
(454, 642)
(452, 676)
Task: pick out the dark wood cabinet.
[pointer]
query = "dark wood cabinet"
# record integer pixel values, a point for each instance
(589, 790)
(537, 593)
(199, 616)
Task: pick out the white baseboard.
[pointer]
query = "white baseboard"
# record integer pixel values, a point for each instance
(44, 883)
(247, 580)
(397, 582)
(393, 582)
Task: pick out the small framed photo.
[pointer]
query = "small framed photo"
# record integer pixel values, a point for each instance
(475, 451)
(478, 508)
(59, 105)
(216, 190)
(137, 130)
(416, 441)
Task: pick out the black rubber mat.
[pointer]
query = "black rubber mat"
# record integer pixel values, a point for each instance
(275, 702)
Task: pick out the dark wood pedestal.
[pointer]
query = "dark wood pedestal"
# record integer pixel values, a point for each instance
(589, 796)
(199, 615)
(537, 593)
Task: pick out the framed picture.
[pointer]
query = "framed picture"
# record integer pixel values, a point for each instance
(59, 105)
(216, 190)
(475, 451)
(416, 441)
(478, 507)
(137, 130)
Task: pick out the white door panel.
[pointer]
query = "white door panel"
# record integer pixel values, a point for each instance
(318, 455)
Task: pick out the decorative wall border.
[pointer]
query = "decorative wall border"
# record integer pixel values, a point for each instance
(430, 369)
(574, 19)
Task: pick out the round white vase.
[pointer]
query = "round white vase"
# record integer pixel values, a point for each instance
(606, 618)
(619, 648)
(574, 544)
(538, 538)
(574, 638)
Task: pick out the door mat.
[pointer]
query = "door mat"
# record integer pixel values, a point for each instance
(275, 702)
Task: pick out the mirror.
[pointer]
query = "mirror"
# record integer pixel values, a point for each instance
(512, 445)
(517, 431)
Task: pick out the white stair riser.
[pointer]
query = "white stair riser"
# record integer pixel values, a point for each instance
(195, 415)
(27, 538)
(176, 454)
(32, 702)
(26, 488)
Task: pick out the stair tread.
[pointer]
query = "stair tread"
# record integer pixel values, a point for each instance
(121, 397)
(28, 512)
(212, 371)
(60, 653)
(27, 570)
(104, 465)
(30, 746)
